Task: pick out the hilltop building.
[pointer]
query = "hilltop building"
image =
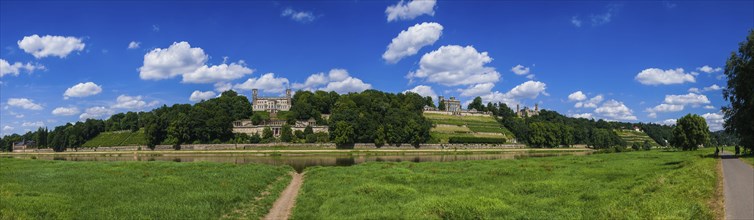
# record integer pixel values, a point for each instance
(271, 104)
(23, 145)
(526, 111)
(453, 107)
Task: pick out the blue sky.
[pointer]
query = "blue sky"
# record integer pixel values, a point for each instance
(627, 61)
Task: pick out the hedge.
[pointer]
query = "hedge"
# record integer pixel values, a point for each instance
(476, 140)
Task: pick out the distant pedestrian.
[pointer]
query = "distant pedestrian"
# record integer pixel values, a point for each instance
(738, 150)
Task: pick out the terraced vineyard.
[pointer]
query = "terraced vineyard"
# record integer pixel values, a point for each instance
(117, 138)
(446, 126)
(632, 137)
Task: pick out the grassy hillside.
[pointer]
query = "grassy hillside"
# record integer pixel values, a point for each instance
(447, 126)
(117, 138)
(632, 137)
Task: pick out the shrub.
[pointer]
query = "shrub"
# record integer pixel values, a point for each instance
(635, 146)
(476, 140)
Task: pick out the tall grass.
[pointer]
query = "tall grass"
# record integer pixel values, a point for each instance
(636, 185)
(35, 189)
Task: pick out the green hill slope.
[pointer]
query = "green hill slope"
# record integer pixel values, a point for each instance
(446, 126)
(632, 137)
(117, 138)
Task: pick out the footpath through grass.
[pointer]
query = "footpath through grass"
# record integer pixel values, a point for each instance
(38, 189)
(635, 185)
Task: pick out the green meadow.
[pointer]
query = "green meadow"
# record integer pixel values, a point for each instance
(635, 185)
(37, 189)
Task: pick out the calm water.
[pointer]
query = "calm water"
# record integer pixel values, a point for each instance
(298, 161)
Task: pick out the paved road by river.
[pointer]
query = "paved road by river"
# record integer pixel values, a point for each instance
(738, 178)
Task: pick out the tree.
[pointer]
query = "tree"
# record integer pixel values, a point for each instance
(429, 102)
(155, 130)
(441, 105)
(690, 132)
(646, 145)
(256, 119)
(286, 134)
(344, 134)
(739, 116)
(267, 133)
(381, 139)
(476, 104)
(635, 146)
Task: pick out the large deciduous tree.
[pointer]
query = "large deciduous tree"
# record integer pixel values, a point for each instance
(690, 132)
(739, 116)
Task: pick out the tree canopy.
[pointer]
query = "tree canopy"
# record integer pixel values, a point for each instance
(739, 116)
(690, 132)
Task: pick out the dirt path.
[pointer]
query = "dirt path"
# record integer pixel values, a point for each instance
(739, 188)
(283, 206)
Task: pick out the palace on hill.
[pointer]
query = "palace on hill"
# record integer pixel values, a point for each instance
(453, 107)
(273, 105)
(526, 111)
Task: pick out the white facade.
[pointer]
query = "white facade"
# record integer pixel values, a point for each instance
(271, 104)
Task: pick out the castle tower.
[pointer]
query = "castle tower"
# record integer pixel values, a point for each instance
(536, 107)
(254, 93)
(517, 108)
(288, 93)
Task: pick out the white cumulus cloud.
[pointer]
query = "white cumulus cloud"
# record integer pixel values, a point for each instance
(591, 103)
(577, 96)
(33, 124)
(65, 111)
(424, 91)
(48, 45)
(520, 70)
(456, 65)
(14, 69)
(7, 128)
(477, 90)
(654, 76)
(526, 90)
(24, 103)
(299, 16)
(266, 83)
(338, 80)
(709, 69)
(688, 99)
(132, 102)
(134, 45)
(82, 90)
(199, 95)
(409, 41)
(98, 112)
(615, 110)
(169, 62)
(714, 121)
(583, 115)
(217, 73)
(410, 10)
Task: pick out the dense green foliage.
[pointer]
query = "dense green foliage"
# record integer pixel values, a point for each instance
(739, 116)
(690, 132)
(398, 116)
(37, 189)
(477, 140)
(634, 185)
(551, 129)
